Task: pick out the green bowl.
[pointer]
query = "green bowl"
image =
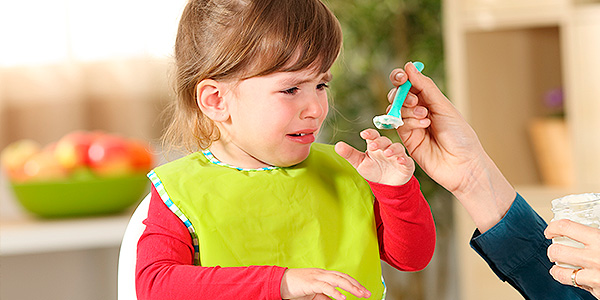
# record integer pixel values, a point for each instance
(77, 198)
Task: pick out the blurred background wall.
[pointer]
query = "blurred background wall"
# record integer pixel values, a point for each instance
(71, 65)
(67, 65)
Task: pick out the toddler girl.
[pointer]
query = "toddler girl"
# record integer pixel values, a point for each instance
(258, 210)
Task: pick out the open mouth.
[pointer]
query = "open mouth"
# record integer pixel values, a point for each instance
(302, 137)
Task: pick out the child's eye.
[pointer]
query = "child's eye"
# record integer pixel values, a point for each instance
(290, 91)
(322, 86)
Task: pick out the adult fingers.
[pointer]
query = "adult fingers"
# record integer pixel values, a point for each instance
(410, 124)
(398, 77)
(410, 102)
(411, 99)
(424, 88)
(582, 233)
(568, 255)
(418, 112)
(584, 278)
(562, 275)
(391, 94)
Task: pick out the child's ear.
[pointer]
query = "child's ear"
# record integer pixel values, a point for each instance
(209, 98)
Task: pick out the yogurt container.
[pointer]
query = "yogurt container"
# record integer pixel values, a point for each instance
(580, 208)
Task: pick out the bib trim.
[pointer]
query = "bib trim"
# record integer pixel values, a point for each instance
(188, 224)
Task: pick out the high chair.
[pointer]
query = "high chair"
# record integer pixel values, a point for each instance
(128, 252)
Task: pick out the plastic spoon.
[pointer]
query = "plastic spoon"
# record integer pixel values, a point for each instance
(393, 119)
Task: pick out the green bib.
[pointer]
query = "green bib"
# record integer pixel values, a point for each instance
(317, 214)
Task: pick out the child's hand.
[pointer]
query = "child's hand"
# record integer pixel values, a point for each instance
(314, 284)
(384, 162)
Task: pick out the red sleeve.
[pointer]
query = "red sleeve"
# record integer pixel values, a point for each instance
(164, 267)
(405, 227)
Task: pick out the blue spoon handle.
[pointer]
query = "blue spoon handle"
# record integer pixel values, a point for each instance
(402, 92)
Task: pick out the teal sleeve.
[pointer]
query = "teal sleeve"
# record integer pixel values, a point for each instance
(515, 249)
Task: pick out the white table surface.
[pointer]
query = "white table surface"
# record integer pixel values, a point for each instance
(22, 233)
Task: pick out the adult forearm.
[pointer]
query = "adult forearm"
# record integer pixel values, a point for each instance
(486, 194)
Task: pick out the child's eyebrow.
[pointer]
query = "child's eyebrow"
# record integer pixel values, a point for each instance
(298, 80)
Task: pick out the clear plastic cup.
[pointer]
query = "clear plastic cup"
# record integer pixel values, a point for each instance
(580, 208)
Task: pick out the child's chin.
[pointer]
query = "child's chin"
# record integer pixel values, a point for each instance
(292, 161)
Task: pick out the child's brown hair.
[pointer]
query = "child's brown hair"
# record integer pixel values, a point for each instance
(238, 39)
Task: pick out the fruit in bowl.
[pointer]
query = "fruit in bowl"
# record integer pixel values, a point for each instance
(84, 173)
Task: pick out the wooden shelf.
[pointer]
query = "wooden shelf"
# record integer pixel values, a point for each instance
(502, 57)
(507, 14)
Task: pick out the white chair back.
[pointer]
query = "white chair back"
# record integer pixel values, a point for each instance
(128, 252)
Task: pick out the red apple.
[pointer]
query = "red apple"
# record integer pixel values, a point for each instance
(109, 155)
(71, 151)
(14, 156)
(141, 155)
(43, 166)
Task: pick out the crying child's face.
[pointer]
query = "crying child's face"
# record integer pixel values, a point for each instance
(273, 119)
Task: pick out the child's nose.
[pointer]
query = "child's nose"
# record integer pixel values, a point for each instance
(315, 107)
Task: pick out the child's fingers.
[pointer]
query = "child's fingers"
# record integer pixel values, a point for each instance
(380, 143)
(345, 282)
(376, 142)
(350, 279)
(369, 134)
(320, 297)
(330, 291)
(312, 282)
(395, 149)
(353, 156)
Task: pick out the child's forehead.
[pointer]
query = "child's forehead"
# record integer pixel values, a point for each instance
(300, 76)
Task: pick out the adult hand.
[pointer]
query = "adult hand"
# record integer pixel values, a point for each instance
(439, 139)
(588, 258)
(383, 161)
(317, 284)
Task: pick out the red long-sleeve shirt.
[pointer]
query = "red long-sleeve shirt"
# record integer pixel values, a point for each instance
(165, 269)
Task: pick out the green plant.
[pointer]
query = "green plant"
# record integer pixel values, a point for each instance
(380, 35)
